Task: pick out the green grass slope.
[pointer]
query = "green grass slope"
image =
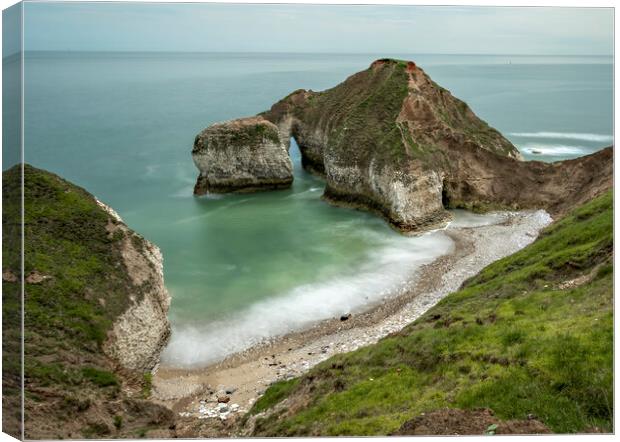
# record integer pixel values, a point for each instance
(366, 117)
(80, 286)
(532, 334)
(11, 305)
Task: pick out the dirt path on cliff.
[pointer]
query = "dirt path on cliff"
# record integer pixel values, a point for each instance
(242, 378)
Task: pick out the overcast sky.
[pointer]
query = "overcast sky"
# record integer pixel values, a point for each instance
(317, 28)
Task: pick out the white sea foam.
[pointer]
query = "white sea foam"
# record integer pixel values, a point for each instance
(463, 218)
(210, 213)
(384, 273)
(565, 135)
(303, 195)
(151, 169)
(184, 192)
(553, 149)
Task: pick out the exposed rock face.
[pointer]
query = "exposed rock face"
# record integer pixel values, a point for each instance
(482, 182)
(390, 140)
(94, 313)
(139, 335)
(475, 422)
(242, 155)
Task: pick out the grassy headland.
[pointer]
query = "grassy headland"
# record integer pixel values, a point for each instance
(76, 286)
(531, 336)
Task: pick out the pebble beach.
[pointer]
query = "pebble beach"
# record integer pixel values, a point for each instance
(230, 387)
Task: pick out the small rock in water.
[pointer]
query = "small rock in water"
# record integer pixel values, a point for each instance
(345, 317)
(536, 152)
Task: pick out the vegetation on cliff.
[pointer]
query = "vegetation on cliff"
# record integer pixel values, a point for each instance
(392, 112)
(390, 140)
(244, 155)
(76, 286)
(362, 112)
(530, 337)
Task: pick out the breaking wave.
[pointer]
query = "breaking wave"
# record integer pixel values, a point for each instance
(566, 135)
(386, 272)
(553, 149)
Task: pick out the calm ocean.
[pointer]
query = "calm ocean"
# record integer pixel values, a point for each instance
(241, 268)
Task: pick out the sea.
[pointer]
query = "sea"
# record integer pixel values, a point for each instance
(242, 269)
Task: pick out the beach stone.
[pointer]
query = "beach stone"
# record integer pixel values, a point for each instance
(230, 390)
(223, 399)
(345, 317)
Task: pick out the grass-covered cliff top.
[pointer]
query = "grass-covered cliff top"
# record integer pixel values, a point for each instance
(391, 112)
(76, 286)
(530, 337)
(243, 132)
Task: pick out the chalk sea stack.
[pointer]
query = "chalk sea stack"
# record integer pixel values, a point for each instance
(241, 156)
(390, 140)
(95, 314)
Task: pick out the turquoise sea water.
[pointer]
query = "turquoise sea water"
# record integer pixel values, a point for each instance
(242, 268)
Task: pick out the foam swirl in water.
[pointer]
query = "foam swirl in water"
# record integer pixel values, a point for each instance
(383, 274)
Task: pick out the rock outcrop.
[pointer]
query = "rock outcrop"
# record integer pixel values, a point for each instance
(138, 336)
(390, 140)
(242, 155)
(94, 317)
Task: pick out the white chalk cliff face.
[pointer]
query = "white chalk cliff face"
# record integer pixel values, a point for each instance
(139, 335)
(390, 140)
(95, 307)
(242, 155)
(405, 199)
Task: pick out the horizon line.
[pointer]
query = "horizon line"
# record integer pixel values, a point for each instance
(304, 52)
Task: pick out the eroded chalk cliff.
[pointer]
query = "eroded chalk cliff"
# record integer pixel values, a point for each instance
(390, 140)
(241, 156)
(94, 307)
(140, 333)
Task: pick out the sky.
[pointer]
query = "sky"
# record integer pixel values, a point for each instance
(317, 28)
